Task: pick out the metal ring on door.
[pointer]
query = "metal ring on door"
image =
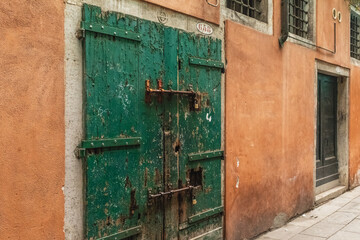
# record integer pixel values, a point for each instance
(211, 4)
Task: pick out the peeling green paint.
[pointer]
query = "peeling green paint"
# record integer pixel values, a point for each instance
(118, 178)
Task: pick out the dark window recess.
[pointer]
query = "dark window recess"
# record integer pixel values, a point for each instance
(355, 35)
(299, 17)
(196, 176)
(251, 8)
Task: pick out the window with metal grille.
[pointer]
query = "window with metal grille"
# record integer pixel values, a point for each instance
(251, 8)
(299, 17)
(355, 35)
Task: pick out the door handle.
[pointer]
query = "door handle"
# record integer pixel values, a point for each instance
(195, 96)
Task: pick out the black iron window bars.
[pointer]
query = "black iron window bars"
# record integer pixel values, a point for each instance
(355, 35)
(298, 17)
(249, 8)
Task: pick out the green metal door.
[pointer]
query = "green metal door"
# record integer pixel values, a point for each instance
(152, 110)
(326, 155)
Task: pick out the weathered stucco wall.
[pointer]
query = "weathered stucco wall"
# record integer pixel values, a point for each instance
(32, 119)
(270, 120)
(195, 8)
(354, 136)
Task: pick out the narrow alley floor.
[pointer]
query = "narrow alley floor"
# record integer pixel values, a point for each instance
(334, 220)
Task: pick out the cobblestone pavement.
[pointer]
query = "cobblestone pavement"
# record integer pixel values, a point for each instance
(338, 219)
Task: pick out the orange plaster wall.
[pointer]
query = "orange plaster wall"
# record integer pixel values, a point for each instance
(354, 138)
(196, 8)
(270, 120)
(31, 119)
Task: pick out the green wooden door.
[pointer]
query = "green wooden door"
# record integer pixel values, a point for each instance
(326, 155)
(152, 110)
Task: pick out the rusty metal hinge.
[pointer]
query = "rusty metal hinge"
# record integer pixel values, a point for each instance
(110, 30)
(86, 145)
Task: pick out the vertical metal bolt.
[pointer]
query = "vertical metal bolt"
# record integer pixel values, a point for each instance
(90, 26)
(102, 27)
(114, 33)
(92, 144)
(126, 32)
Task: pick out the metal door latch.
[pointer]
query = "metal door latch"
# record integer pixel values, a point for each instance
(170, 193)
(195, 96)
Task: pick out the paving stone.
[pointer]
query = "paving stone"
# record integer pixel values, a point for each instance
(284, 233)
(323, 229)
(351, 194)
(354, 226)
(338, 219)
(341, 217)
(356, 190)
(357, 200)
(305, 220)
(351, 207)
(265, 238)
(343, 235)
(323, 211)
(339, 201)
(306, 237)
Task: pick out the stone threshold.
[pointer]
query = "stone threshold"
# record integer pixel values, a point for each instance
(329, 194)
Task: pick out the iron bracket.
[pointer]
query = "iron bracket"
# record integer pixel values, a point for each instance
(86, 145)
(206, 62)
(206, 155)
(108, 30)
